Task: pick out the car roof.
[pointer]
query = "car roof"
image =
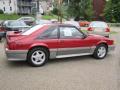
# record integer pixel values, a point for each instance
(61, 24)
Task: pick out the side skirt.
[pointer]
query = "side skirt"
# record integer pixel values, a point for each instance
(73, 55)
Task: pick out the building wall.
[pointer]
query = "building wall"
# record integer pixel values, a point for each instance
(24, 6)
(8, 6)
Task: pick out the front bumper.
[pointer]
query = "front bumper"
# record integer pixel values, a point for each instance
(16, 55)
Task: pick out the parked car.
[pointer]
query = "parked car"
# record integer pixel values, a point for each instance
(84, 23)
(43, 42)
(2, 31)
(14, 25)
(99, 27)
(74, 23)
(28, 20)
(40, 22)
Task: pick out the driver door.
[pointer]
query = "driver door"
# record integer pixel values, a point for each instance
(72, 42)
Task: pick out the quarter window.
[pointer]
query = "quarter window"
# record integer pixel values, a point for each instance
(70, 32)
(51, 33)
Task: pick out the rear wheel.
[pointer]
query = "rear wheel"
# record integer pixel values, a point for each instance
(38, 56)
(100, 51)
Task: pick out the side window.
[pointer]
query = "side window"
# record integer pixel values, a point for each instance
(51, 33)
(70, 32)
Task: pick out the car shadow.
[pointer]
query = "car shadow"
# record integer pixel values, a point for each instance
(18, 64)
(12, 64)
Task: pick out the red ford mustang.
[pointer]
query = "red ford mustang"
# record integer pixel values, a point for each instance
(42, 42)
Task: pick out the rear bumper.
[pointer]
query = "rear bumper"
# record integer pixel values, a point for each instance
(16, 55)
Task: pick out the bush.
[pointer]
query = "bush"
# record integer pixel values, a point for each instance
(1, 11)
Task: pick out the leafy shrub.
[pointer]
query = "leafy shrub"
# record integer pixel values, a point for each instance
(1, 11)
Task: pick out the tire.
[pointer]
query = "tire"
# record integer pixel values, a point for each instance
(100, 51)
(37, 56)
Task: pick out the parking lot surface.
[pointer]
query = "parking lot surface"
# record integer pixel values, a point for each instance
(79, 73)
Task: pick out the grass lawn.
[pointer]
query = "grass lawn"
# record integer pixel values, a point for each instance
(113, 32)
(48, 17)
(10, 16)
(15, 16)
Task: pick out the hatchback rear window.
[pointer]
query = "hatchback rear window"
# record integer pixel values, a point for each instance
(31, 30)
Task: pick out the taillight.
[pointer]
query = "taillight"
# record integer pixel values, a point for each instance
(107, 30)
(90, 29)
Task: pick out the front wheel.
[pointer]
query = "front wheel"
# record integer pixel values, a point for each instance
(100, 51)
(37, 57)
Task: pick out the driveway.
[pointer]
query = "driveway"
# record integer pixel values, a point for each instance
(79, 73)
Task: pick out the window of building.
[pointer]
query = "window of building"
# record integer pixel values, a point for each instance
(4, 8)
(9, 1)
(10, 8)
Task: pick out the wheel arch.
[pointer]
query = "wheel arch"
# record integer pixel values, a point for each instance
(104, 43)
(38, 46)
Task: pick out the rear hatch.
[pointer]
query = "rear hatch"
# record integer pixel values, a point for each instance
(11, 38)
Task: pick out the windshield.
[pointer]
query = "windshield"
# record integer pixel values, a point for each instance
(98, 24)
(31, 30)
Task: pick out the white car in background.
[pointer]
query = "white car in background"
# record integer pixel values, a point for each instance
(99, 28)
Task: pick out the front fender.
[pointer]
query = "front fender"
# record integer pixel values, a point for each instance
(101, 42)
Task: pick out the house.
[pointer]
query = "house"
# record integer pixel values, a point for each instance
(25, 6)
(8, 6)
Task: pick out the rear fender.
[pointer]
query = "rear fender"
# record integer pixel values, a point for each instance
(38, 44)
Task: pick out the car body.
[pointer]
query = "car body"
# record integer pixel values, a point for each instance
(74, 23)
(28, 20)
(99, 28)
(14, 25)
(54, 41)
(2, 31)
(84, 23)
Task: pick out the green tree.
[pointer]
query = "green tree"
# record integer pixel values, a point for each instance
(112, 11)
(80, 8)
